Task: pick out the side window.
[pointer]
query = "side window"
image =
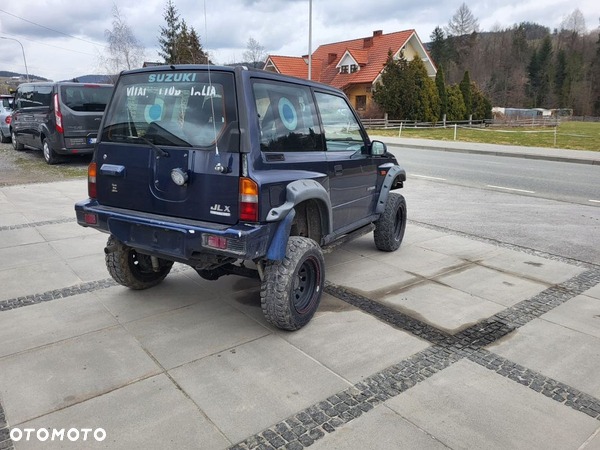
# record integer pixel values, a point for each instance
(42, 96)
(342, 131)
(25, 98)
(287, 118)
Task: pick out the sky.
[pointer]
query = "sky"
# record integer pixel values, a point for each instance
(281, 26)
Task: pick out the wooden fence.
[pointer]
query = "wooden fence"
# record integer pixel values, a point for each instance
(527, 122)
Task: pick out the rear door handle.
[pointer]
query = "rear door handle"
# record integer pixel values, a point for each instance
(338, 169)
(113, 170)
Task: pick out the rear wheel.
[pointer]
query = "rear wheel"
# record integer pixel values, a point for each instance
(291, 289)
(16, 144)
(390, 227)
(4, 139)
(132, 269)
(49, 155)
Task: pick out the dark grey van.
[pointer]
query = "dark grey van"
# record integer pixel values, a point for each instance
(58, 118)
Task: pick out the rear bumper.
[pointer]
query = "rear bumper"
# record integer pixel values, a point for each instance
(180, 240)
(75, 151)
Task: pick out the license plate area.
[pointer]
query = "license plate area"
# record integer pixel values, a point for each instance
(158, 239)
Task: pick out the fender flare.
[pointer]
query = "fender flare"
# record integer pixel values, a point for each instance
(393, 173)
(299, 191)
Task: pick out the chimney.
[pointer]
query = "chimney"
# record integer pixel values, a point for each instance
(377, 33)
(331, 57)
(368, 42)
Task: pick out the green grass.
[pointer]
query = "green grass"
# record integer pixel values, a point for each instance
(590, 129)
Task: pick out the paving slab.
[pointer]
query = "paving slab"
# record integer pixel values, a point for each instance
(542, 269)
(176, 291)
(149, 414)
(66, 230)
(194, 332)
(443, 307)
(594, 443)
(92, 244)
(493, 285)
(371, 346)
(369, 276)
(593, 292)
(14, 218)
(461, 247)
(89, 267)
(381, 429)
(420, 261)
(245, 390)
(467, 406)
(18, 237)
(45, 323)
(35, 279)
(339, 256)
(26, 254)
(558, 352)
(581, 313)
(43, 380)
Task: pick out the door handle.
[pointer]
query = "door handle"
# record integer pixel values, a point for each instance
(338, 169)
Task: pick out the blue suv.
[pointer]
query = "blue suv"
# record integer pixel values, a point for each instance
(216, 166)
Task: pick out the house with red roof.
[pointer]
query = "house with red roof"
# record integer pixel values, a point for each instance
(354, 66)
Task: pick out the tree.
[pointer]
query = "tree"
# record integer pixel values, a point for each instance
(124, 51)
(425, 104)
(442, 93)
(465, 89)
(560, 74)
(539, 73)
(391, 94)
(168, 39)
(254, 54)
(519, 43)
(456, 104)
(463, 22)
(481, 106)
(188, 48)
(438, 47)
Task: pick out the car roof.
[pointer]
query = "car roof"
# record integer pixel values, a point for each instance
(232, 69)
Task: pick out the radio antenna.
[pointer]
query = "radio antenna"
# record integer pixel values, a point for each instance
(219, 167)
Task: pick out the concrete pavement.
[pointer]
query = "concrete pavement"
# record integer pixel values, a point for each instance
(448, 343)
(516, 151)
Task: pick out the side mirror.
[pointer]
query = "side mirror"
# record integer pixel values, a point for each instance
(378, 148)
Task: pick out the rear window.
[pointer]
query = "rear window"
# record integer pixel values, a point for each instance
(85, 98)
(7, 103)
(183, 109)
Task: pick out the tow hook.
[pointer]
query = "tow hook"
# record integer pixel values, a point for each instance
(111, 248)
(155, 263)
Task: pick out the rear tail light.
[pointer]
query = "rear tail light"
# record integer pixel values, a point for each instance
(248, 200)
(216, 242)
(57, 114)
(7, 120)
(90, 219)
(92, 180)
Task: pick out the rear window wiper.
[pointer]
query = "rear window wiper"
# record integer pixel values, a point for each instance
(159, 151)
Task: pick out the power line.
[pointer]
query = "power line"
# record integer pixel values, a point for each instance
(49, 45)
(51, 29)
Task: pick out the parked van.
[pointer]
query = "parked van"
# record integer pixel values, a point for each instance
(58, 118)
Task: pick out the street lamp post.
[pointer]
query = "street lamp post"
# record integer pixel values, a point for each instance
(23, 50)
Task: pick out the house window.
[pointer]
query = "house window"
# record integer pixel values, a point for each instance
(353, 68)
(344, 69)
(361, 102)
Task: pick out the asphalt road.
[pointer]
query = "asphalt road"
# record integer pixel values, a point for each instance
(452, 190)
(576, 183)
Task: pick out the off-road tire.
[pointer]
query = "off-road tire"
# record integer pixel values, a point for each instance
(122, 267)
(390, 227)
(4, 139)
(283, 279)
(15, 143)
(50, 155)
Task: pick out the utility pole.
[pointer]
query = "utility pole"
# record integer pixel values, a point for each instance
(23, 50)
(309, 39)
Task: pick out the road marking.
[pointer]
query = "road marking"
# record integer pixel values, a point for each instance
(595, 201)
(425, 176)
(511, 189)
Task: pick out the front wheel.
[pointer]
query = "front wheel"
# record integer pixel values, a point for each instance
(132, 269)
(291, 289)
(390, 227)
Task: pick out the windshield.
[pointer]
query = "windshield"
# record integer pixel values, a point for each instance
(171, 108)
(86, 98)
